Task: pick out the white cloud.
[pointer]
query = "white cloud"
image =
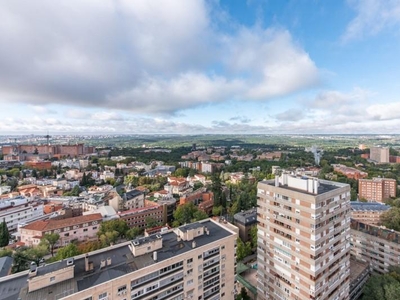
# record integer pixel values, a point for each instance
(143, 56)
(274, 65)
(372, 16)
(387, 111)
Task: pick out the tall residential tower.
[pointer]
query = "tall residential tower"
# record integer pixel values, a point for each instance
(303, 239)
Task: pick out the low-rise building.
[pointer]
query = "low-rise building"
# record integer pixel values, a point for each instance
(376, 245)
(245, 220)
(367, 212)
(138, 217)
(79, 228)
(359, 274)
(132, 199)
(18, 210)
(349, 172)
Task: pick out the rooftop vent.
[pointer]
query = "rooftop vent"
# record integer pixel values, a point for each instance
(70, 261)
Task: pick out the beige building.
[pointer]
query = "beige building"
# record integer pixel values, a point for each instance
(367, 212)
(303, 239)
(79, 228)
(379, 154)
(377, 189)
(195, 261)
(376, 245)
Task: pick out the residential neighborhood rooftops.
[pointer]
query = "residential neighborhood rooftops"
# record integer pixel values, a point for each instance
(368, 206)
(49, 225)
(107, 264)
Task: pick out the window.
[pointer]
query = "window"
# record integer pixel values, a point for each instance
(53, 278)
(85, 230)
(189, 260)
(122, 288)
(103, 296)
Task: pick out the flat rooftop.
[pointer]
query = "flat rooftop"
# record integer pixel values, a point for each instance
(323, 187)
(357, 270)
(122, 262)
(247, 217)
(368, 206)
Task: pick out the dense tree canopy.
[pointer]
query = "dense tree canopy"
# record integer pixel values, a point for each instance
(70, 250)
(391, 218)
(4, 234)
(188, 213)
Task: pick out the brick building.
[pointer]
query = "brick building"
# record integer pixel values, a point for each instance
(377, 189)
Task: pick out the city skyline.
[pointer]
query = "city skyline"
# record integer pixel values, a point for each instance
(187, 67)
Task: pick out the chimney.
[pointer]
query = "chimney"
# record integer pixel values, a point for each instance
(155, 255)
(206, 230)
(102, 263)
(87, 262)
(33, 270)
(276, 180)
(108, 261)
(194, 244)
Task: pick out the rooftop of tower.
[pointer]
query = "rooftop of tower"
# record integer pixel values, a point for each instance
(304, 184)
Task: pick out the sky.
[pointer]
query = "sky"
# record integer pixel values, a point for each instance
(200, 66)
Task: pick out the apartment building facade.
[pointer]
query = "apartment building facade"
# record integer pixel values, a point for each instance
(195, 261)
(379, 154)
(377, 189)
(18, 210)
(303, 239)
(376, 245)
(138, 217)
(79, 228)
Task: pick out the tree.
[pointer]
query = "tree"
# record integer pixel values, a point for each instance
(242, 249)
(51, 240)
(216, 188)
(118, 225)
(4, 234)
(188, 213)
(108, 238)
(21, 261)
(253, 234)
(391, 218)
(243, 295)
(133, 233)
(200, 215)
(151, 222)
(184, 213)
(70, 250)
(217, 210)
(5, 252)
(37, 253)
(381, 287)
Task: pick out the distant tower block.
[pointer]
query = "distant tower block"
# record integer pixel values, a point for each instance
(194, 147)
(48, 138)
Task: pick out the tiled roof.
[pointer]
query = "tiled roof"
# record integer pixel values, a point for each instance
(57, 224)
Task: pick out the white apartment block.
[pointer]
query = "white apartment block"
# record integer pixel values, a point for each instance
(303, 239)
(194, 261)
(18, 210)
